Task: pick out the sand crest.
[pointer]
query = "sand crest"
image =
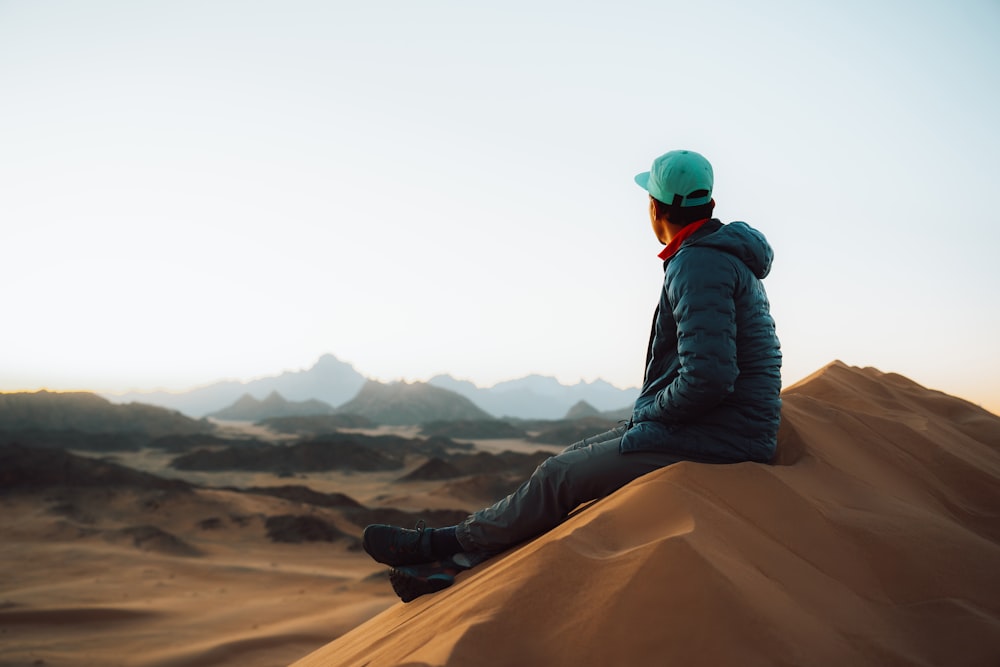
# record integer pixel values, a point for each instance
(873, 539)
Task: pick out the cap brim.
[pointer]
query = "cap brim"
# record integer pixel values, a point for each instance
(643, 180)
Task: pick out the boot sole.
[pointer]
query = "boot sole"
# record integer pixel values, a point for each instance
(411, 582)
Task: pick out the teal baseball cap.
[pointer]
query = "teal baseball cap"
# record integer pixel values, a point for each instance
(679, 178)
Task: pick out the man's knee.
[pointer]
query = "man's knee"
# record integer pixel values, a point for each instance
(552, 467)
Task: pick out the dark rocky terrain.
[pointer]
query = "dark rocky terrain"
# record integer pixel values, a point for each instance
(28, 468)
(315, 424)
(333, 451)
(81, 420)
(312, 456)
(480, 429)
(97, 498)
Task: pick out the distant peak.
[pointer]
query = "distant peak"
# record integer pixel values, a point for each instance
(582, 409)
(329, 360)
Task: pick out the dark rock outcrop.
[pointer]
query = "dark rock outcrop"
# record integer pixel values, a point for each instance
(303, 494)
(293, 529)
(25, 468)
(403, 404)
(248, 408)
(311, 456)
(480, 429)
(82, 420)
(315, 424)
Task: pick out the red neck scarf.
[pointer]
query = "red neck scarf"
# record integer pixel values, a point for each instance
(675, 243)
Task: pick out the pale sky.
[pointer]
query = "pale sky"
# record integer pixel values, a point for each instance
(195, 191)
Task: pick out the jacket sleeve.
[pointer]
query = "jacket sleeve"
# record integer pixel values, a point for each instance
(700, 289)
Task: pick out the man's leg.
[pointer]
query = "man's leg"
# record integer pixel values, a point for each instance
(614, 434)
(587, 470)
(397, 546)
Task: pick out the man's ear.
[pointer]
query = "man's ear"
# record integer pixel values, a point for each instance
(658, 210)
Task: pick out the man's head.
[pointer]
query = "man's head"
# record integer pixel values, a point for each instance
(679, 178)
(680, 191)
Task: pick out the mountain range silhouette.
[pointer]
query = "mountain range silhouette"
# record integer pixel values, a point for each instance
(336, 382)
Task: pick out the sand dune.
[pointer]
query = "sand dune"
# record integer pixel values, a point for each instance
(873, 539)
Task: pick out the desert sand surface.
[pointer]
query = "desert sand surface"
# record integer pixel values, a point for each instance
(124, 574)
(86, 581)
(872, 539)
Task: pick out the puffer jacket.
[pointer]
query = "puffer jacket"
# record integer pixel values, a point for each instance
(713, 366)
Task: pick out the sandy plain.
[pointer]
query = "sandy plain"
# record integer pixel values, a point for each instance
(161, 578)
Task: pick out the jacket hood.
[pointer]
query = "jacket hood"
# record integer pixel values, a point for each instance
(743, 242)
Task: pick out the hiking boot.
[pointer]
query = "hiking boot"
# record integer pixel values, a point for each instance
(412, 581)
(393, 545)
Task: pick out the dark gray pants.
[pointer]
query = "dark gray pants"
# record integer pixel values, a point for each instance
(584, 471)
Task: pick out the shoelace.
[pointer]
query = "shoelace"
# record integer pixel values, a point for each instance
(414, 545)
